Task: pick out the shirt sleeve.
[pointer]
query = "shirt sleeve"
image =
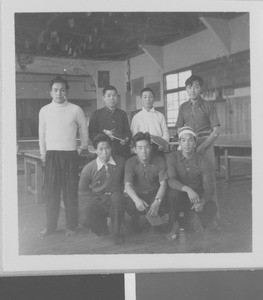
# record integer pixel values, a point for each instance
(129, 172)
(165, 130)
(42, 132)
(134, 125)
(93, 126)
(126, 129)
(85, 180)
(162, 170)
(207, 178)
(180, 119)
(83, 129)
(173, 181)
(213, 116)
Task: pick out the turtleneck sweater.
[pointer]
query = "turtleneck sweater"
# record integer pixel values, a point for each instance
(58, 127)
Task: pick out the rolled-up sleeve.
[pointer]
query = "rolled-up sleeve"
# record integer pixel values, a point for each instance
(173, 181)
(129, 172)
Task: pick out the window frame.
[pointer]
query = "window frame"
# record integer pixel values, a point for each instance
(171, 91)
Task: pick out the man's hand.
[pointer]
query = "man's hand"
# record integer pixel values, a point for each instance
(124, 141)
(109, 132)
(141, 205)
(198, 207)
(192, 195)
(43, 158)
(154, 208)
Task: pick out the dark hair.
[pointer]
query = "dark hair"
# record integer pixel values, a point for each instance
(59, 79)
(109, 88)
(193, 78)
(101, 138)
(141, 136)
(146, 89)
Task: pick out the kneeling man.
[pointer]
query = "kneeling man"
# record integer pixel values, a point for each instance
(102, 183)
(145, 181)
(190, 181)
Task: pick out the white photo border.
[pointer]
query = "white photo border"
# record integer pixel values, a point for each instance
(119, 263)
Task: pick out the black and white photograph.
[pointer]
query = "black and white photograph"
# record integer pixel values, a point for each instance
(130, 137)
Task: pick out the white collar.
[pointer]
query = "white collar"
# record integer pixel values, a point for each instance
(100, 164)
(151, 110)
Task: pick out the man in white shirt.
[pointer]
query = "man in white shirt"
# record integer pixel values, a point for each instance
(149, 119)
(59, 122)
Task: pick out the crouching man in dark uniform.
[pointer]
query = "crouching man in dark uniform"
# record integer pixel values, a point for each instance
(190, 183)
(101, 181)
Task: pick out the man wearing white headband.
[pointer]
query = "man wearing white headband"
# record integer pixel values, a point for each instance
(190, 183)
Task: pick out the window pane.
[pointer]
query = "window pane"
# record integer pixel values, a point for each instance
(172, 106)
(183, 76)
(183, 97)
(171, 81)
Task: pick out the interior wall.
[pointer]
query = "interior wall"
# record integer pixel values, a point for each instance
(77, 67)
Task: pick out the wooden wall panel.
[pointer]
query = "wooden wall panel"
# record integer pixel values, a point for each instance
(235, 115)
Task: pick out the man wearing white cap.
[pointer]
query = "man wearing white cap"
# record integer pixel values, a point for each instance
(190, 181)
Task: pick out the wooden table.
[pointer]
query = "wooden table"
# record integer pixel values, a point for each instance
(32, 159)
(233, 146)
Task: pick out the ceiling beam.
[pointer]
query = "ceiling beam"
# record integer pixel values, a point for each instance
(220, 30)
(155, 53)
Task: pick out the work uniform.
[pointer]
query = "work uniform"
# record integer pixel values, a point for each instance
(103, 189)
(145, 179)
(201, 116)
(116, 120)
(195, 173)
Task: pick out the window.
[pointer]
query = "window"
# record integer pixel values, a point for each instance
(175, 94)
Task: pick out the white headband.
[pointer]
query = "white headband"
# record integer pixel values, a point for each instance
(186, 130)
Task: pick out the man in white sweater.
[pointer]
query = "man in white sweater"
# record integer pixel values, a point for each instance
(149, 119)
(59, 123)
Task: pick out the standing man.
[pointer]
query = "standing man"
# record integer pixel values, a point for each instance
(101, 182)
(190, 182)
(202, 117)
(113, 122)
(59, 122)
(149, 119)
(145, 181)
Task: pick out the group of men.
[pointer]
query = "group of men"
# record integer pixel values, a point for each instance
(130, 174)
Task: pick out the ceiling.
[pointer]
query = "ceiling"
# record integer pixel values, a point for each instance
(103, 35)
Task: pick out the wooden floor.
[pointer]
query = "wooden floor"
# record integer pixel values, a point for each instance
(235, 201)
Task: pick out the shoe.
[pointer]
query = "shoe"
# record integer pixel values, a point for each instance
(45, 232)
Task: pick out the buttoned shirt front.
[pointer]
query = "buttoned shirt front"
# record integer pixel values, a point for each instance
(200, 115)
(108, 119)
(193, 172)
(145, 177)
(151, 121)
(96, 178)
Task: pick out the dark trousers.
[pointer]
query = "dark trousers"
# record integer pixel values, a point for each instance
(99, 207)
(148, 197)
(61, 175)
(179, 202)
